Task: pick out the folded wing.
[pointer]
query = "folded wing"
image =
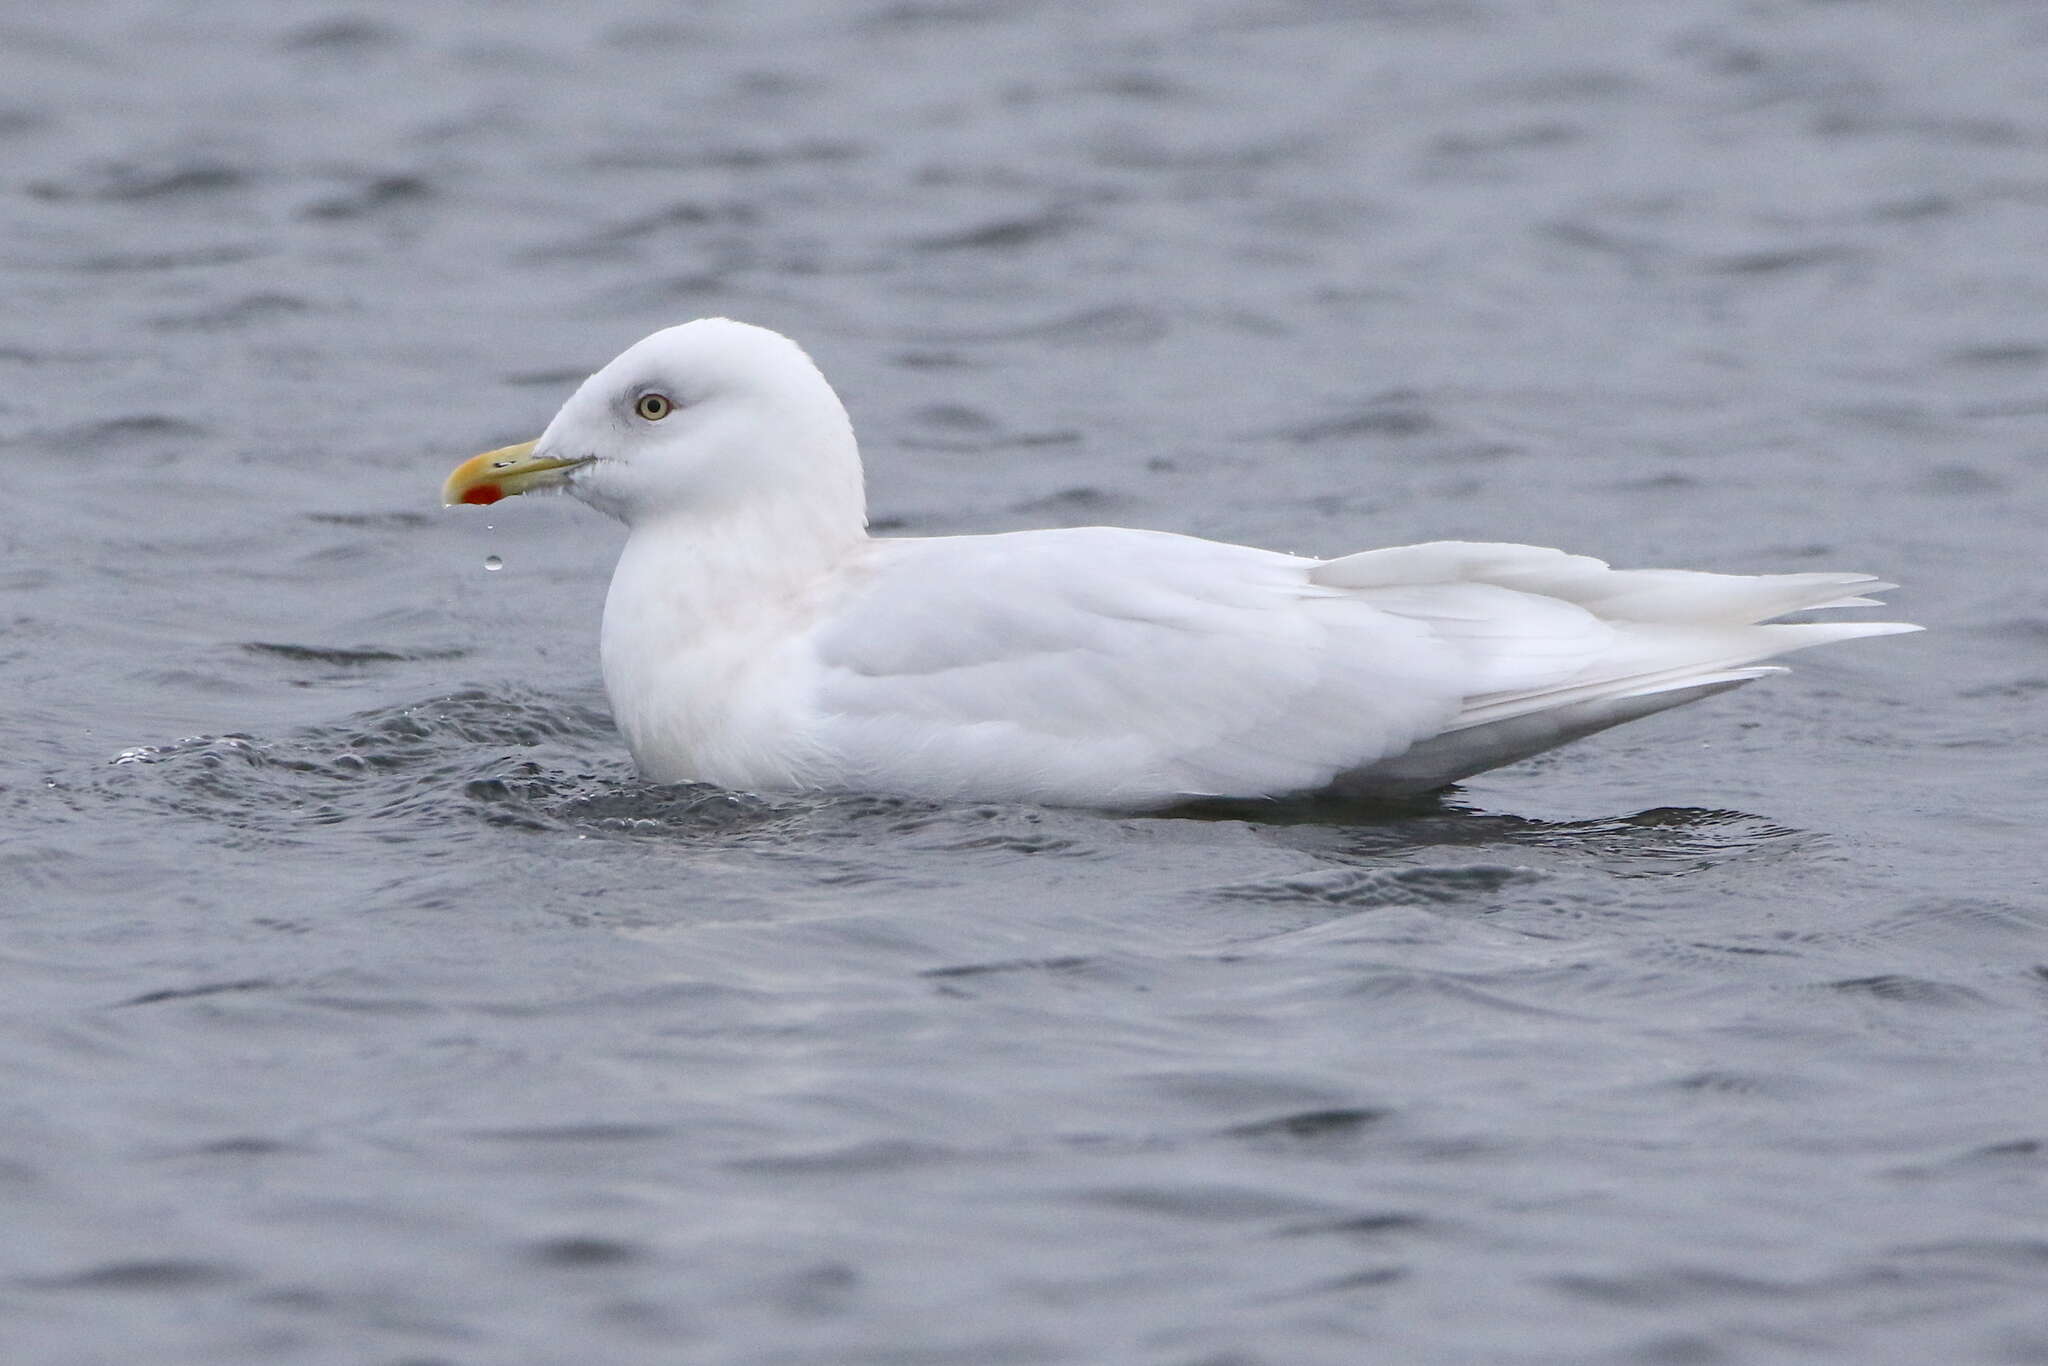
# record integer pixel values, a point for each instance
(1100, 665)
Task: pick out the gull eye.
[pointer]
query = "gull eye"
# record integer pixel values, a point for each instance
(654, 407)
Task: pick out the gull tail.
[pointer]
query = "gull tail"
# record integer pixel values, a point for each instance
(1672, 637)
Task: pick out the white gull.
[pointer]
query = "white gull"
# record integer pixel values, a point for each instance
(755, 636)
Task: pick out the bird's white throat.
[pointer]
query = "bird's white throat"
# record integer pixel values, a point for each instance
(693, 619)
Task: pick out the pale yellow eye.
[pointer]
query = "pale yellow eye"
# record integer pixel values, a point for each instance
(654, 407)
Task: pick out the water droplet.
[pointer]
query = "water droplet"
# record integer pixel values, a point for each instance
(492, 562)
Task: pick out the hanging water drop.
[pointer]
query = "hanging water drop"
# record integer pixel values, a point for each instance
(493, 563)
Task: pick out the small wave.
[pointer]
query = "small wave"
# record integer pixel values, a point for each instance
(1308, 1128)
(140, 431)
(1903, 989)
(590, 1132)
(1669, 1286)
(1659, 842)
(121, 262)
(583, 1250)
(207, 989)
(1003, 234)
(1107, 325)
(640, 156)
(248, 310)
(1205, 1202)
(375, 521)
(125, 182)
(1393, 417)
(1067, 963)
(165, 1274)
(345, 658)
(349, 35)
(479, 757)
(872, 1157)
(369, 195)
(539, 799)
(1364, 887)
(409, 766)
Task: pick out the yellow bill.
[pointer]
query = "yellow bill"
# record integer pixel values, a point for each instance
(509, 470)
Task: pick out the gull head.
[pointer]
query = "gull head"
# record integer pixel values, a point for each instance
(709, 419)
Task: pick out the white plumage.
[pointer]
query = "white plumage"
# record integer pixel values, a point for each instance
(756, 637)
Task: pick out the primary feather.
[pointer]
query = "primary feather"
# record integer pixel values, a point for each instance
(755, 636)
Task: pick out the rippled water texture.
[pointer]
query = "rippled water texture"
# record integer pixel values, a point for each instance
(359, 1007)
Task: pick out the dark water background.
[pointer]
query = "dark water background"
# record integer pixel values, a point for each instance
(356, 1006)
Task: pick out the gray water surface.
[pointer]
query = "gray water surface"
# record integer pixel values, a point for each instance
(358, 1006)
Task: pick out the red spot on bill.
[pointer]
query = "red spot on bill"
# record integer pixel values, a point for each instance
(483, 493)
